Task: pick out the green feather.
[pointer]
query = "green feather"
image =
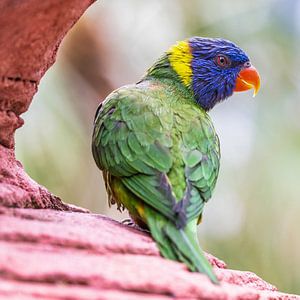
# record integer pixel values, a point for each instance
(182, 244)
(160, 155)
(192, 158)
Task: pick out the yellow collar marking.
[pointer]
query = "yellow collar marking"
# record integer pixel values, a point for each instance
(180, 58)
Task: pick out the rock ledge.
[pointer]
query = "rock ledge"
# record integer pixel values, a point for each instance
(48, 254)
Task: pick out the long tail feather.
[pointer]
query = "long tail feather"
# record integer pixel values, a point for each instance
(178, 244)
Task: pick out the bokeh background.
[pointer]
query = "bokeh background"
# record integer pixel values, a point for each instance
(253, 220)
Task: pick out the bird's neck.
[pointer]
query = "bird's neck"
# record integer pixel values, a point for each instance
(174, 66)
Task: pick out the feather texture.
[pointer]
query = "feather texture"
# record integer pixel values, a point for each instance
(160, 154)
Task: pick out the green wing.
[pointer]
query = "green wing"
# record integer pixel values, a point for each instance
(129, 141)
(201, 154)
(142, 140)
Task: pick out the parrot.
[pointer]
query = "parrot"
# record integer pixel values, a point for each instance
(156, 145)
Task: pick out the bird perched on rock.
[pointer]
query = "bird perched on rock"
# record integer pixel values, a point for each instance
(157, 146)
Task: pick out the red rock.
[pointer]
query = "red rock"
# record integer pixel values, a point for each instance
(55, 254)
(30, 33)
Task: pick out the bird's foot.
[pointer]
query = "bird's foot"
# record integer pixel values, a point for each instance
(129, 222)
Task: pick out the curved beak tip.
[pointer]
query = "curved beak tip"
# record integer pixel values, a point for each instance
(255, 90)
(247, 79)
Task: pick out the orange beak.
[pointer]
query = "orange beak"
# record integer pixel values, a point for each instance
(248, 79)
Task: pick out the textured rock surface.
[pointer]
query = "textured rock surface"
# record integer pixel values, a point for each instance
(47, 254)
(30, 33)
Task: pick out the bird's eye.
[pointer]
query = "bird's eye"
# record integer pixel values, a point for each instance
(222, 61)
(247, 64)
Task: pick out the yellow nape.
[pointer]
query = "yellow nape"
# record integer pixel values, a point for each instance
(180, 58)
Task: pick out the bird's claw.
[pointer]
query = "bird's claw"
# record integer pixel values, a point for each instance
(129, 222)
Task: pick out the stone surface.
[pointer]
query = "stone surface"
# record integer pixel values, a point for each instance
(30, 33)
(48, 254)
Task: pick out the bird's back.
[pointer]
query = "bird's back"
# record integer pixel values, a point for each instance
(156, 128)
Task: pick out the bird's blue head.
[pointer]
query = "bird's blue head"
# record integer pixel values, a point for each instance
(212, 69)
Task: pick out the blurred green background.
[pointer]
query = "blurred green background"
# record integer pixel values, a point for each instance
(253, 220)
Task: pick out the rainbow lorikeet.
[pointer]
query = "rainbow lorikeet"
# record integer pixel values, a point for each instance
(157, 146)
